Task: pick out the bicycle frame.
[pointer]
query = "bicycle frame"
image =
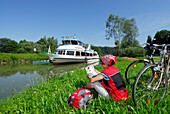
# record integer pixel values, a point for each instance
(162, 66)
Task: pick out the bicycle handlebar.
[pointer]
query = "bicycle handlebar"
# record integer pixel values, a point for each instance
(156, 45)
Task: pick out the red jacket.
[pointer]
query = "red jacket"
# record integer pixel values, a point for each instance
(114, 83)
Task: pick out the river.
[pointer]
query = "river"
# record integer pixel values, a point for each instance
(13, 78)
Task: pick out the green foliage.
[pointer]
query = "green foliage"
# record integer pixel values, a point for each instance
(149, 40)
(11, 46)
(162, 37)
(133, 52)
(114, 27)
(97, 49)
(108, 50)
(130, 30)
(25, 47)
(8, 46)
(126, 43)
(46, 42)
(148, 49)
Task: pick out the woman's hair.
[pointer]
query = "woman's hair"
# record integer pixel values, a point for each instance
(112, 63)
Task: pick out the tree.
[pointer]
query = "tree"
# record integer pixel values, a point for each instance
(130, 31)
(118, 45)
(120, 28)
(114, 28)
(97, 49)
(149, 40)
(46, 42)
(147, 47)
(38, 47)
(162, 37)
(52, 42)
(13, 46)
(25, 47)
(8, 46)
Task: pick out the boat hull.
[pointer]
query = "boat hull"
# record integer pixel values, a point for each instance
(59, 59)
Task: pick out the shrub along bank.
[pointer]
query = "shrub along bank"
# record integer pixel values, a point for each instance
(6, 58)
(51, 96)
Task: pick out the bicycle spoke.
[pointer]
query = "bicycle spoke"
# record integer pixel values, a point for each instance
(143, 96)
(134, 70)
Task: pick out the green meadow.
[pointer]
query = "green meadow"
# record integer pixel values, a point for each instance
(51, 96)
(21, 58)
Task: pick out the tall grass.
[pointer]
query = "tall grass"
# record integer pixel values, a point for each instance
(51, 96)
(10, 57)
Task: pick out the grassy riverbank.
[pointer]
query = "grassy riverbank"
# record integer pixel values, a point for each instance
(51, 97)
(6, 58)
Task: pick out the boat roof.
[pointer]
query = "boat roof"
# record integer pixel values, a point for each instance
(72, 39)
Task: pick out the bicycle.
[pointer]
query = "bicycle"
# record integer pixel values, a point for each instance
(136, 66)
(151, 88)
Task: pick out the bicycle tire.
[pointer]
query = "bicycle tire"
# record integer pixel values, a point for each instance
(130, 77)
(148, 93)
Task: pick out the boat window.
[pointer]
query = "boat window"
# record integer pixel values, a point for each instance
(74, 42)
(63, 52)
(70, 52)
(90, 54)
(60, 52)
(87, 54)
(82, 53)
(81, 44)
(66, 42)
(77, 53)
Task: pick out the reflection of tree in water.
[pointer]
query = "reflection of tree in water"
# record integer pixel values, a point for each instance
(9, 70)
(6, 74)
(26, 71)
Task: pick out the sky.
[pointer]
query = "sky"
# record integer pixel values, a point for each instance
(33, 19)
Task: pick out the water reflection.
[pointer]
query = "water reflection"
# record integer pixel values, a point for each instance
(13, 78)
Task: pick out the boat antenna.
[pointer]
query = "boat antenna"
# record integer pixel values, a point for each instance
(74, 36)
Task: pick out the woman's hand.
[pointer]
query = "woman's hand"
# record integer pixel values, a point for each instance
(95, 79)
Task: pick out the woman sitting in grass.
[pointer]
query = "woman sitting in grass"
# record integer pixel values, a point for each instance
(112, 80)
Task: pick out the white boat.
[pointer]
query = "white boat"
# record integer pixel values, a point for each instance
(72, 50)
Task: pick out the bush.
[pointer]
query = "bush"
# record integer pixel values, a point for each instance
(133, 52)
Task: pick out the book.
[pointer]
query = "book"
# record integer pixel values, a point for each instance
(90, 71)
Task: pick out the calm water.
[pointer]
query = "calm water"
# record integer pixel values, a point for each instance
(13, 78)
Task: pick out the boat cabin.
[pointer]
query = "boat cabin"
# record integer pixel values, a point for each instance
(72, 41)
(75, 53)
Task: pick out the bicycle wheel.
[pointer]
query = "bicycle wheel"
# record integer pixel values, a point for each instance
(149, 88)
(133, 69)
